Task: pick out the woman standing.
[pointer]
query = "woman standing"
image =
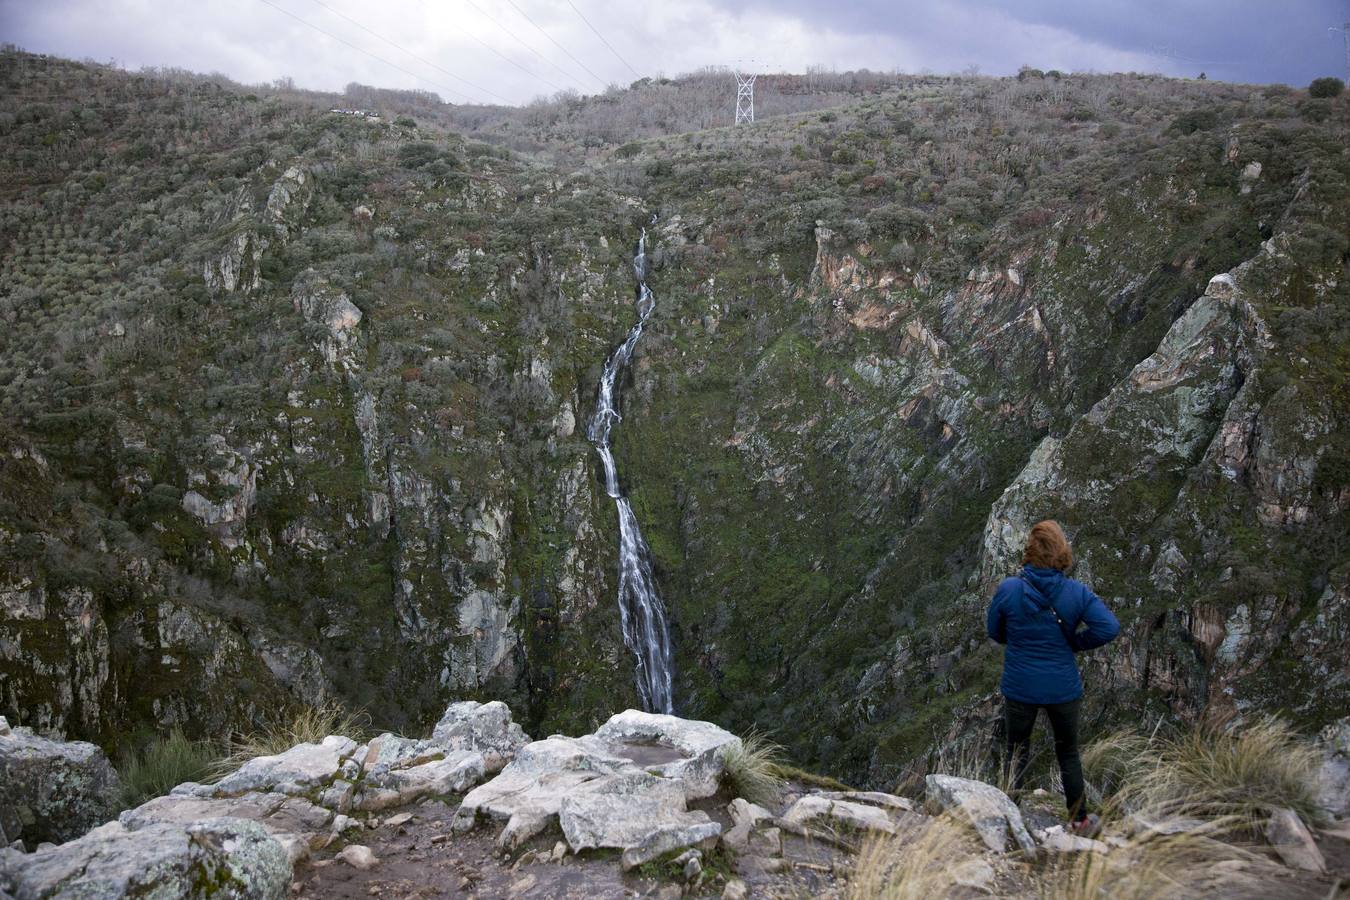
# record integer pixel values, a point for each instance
(1037, 616)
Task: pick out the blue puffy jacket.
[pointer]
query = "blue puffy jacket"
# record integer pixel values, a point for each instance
(1038, 664)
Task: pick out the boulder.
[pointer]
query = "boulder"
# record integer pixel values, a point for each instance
(703, 745)
(743, 812)
(1292, 841)
(663, 841)
(219, 858)
(1057, 840)
(303, 769)
(299, 824)
(455, 774)
(871, 798)
(820, 814)
(359, 856)
(625, 811)
(52, 790)
(987, 809)
(485, 727)
(529, 792)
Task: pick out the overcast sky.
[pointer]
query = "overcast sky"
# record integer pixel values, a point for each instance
(515, 50)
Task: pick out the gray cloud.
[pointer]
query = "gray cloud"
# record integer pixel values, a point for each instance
(488, 49)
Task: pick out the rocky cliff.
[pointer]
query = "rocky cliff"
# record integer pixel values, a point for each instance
(292, 401)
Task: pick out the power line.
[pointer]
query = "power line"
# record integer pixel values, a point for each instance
(602, 39)
(511, 34)
(367, 52)
(537, 28)
(400, 47)
(503, 56)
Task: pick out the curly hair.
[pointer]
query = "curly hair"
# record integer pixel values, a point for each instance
(1047, 547)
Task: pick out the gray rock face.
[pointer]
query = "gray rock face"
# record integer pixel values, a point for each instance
(988, 810)
(215, 857)
(52, 790)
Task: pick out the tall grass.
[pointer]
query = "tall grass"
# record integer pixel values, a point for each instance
(754, 770)
(1214, 770)
(307, 725)
(1155, 866)
(161, 765)
(922, 861)
(976, 761)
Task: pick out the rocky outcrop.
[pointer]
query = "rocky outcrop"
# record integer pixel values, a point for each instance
(51, 790)
(625, 786)
(336, 316)
(232, 858)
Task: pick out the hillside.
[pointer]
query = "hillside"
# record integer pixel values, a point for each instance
(294, 403)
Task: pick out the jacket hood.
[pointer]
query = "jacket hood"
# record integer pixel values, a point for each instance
(1044, 585)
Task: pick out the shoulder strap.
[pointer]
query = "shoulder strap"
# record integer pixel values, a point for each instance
(1063, 626)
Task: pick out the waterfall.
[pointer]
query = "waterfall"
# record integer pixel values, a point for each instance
(641, 612)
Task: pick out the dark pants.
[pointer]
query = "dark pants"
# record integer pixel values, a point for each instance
(1020, 718)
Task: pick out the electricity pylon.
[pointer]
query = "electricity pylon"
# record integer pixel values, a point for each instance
(1344, 29)
(745, 99)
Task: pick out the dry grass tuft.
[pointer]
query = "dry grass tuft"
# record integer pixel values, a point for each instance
(1213, 772)
(755, 770)
(976, 762)
(923, 861)
(308, 725)
(1157, 866)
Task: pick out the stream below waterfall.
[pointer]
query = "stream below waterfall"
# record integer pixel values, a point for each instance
(641, 612)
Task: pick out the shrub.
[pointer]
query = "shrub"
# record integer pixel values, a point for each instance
(753, 771)
(163, 764)
(1326, 87)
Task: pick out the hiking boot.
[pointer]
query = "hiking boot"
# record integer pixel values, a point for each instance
(1088, 826)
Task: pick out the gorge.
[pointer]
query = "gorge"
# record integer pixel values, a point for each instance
(300, 408)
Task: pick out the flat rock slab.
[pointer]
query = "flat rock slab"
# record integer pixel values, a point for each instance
(454, 774)
(300, 770)
(299, 824)
(1057, 840)
(52, 790)
(218, 858)
(838, 817)
(987, 809)
(626, 811)
(1293, 842)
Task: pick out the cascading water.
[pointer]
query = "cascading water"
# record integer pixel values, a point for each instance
(641, 612)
